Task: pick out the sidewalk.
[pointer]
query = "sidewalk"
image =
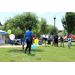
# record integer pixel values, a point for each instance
(3, 46)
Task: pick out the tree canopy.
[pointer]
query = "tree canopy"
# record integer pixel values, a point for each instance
(69, 21)
(19, 25)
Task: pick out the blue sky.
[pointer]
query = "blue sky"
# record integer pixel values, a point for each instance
(47, 15)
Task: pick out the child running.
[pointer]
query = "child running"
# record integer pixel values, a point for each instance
(69, 41)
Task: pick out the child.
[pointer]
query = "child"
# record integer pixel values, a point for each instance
(23, 41)
(62, 41)
(69, 41)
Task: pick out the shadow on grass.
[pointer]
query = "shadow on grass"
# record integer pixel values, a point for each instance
(31, 54)
(72, 45)
(39, 50)
(22, 51)
(15, 51)
(47, 46)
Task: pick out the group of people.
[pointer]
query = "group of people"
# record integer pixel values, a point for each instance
(29, 39)
(55, 40)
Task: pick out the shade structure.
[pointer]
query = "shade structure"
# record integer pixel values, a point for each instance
(3, 32)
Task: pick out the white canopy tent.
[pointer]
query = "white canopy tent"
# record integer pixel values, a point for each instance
(2, 36)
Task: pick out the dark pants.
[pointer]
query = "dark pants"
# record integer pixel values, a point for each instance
(29, 42)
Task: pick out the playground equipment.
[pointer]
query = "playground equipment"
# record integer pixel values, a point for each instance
(65, 37)
(73, 36)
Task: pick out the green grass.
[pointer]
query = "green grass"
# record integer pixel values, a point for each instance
(46, 53)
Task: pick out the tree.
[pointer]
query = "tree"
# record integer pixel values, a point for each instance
(19, 24)
(43, 25)
(0, 24)
(50, 29)
(69, 21)
(73, 32)
(25, 20)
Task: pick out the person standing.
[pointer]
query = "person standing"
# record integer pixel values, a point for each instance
(29, 38)
(62, 41)
(53, 39)
(56, 40)
(35, 36)
(23, 41)
(69, 41)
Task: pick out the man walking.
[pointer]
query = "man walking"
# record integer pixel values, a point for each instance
(29, 38)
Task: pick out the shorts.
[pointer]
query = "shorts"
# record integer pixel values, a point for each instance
(62, 42)
(69, 43)
(23, 43)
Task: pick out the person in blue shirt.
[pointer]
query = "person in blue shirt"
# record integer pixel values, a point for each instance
(53, 38)
(23, 41)
(29, 38)
(11, 42)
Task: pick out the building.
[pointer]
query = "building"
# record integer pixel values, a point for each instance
(3, 37)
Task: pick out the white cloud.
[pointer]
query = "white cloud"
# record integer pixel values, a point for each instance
(39, 13)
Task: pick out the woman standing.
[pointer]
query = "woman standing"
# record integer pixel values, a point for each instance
(29, 39)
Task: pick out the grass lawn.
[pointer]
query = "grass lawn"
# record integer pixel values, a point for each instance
(46, 53)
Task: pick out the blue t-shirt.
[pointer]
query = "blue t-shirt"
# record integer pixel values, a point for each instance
(11, 41)
(23, 39)
(28, 34)
(53, 36)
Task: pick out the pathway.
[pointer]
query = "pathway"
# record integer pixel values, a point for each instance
(2, 46)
